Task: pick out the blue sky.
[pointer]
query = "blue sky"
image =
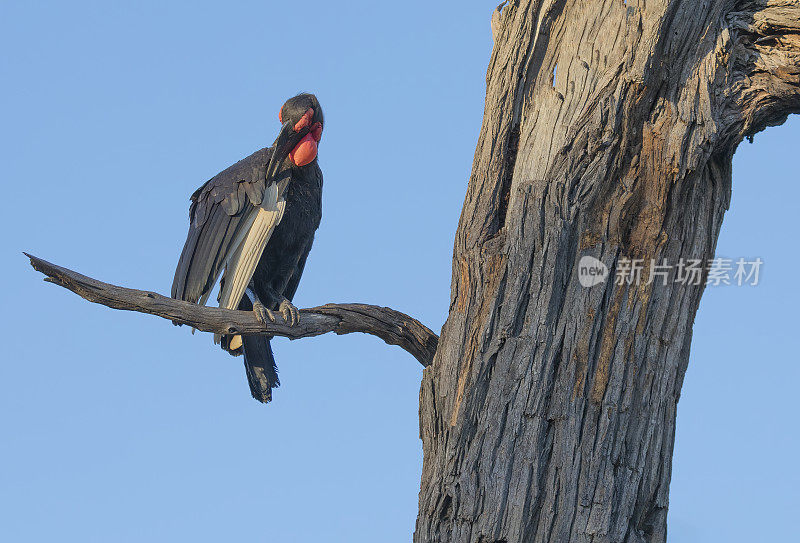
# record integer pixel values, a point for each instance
(120, 427)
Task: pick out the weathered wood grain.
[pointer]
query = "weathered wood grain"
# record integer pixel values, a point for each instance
(393, 327)
(548, 414)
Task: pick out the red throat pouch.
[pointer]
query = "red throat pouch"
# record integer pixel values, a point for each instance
(305, 151)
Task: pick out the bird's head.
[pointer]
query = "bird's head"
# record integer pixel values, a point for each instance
(302, 120)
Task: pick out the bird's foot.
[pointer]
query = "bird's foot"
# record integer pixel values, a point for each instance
(290, 313)
(263, 314)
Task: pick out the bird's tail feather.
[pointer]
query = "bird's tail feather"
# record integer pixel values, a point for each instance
(262, 372)
(259, 363)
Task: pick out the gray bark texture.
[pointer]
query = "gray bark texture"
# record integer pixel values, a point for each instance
(548, 414)
(393, 327)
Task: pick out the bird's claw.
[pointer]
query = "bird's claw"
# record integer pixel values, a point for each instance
(290, 313)
(263, 314)
(287, 310)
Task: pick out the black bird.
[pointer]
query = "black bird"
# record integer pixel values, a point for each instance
(254, 223)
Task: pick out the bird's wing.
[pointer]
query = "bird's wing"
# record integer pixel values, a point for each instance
(243, 261)
(222, 215)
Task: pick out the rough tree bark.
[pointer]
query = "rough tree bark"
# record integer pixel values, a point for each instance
(548, 414)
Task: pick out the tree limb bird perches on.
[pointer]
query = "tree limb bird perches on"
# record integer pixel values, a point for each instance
(393, 327)
(609, 130)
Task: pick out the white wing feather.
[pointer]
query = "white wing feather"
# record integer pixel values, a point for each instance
(241, 264)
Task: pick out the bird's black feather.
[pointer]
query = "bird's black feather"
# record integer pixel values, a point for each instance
(225, 206)
(218, 210)
(259, 362)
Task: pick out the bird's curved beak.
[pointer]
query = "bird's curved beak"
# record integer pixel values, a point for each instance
(286, 141)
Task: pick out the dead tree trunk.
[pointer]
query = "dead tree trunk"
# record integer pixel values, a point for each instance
(548, 414)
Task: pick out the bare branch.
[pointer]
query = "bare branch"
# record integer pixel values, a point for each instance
(391, 326)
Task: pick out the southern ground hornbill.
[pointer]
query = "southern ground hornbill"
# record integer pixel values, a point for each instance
(254, 224)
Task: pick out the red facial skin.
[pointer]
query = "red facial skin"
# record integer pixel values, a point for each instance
(305, 120)
(316, 131)
(306, 150)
